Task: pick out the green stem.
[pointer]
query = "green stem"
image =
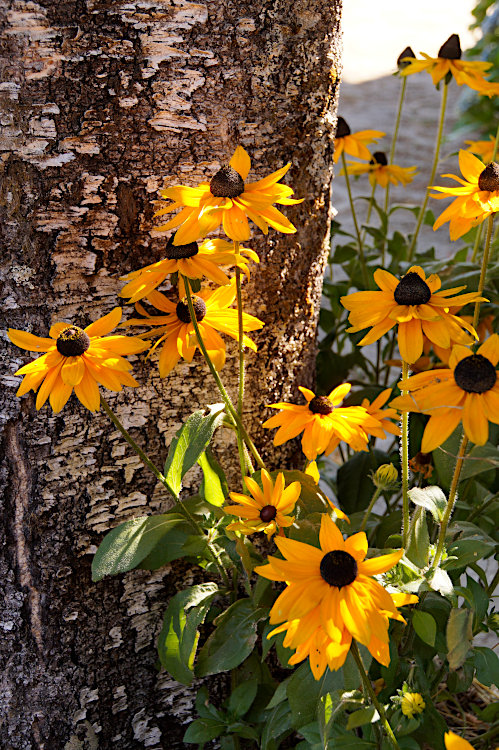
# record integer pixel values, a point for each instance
(405, 465)
(492, 586)
(438, 143)
(370, 206)
(478, 239)
(375, 496)
(392, 157)
(231, 411)
(161, 478)
(450, 503)
(362, 259)
(354, 649)
(240, 345)
(485, 261)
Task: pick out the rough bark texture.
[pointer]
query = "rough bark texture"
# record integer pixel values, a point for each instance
(103, 103)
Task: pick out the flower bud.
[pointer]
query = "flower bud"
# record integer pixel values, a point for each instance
(385, 476)
(412, 704)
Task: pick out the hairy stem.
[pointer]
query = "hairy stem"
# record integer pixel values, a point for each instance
(485, 261)
(362, 259)
(405, 465)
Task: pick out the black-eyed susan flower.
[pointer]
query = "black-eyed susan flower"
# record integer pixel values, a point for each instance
(448, 62)
(483, 149)
(226, 200)
(354, 144)
(267, 508)
(196, 261)
(454, 742)
(176, 332)
(382, 416)
(331, 597)
(380, 172)
(474, 201)
(323, 422)
(405, 57)
(467, 392)
(412, 704)
(77, 359)
(416, 306)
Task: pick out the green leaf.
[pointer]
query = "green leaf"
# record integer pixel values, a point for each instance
(242, 697)
(204, 730)
(278, 721)
(355, 487)
(441, 582)
(304, 691)
(444, 457)
(459, 636)
(361, 717)
(472, 545)
(177, 642)
(232, 641)
(214, 488)
(425, 626)
(419, 540)
(431, 498)
(481, 458)
(127, 545)
(486, 664)
(189, 443)
(479, 597)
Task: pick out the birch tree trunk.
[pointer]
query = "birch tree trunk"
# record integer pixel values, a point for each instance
(103, 103)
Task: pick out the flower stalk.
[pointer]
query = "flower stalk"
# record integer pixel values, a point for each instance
(365, 275)
(405, 466)
(485, 261)
(450, 503)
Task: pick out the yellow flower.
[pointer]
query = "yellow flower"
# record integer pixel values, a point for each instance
(383, 416)
(331, 597)
(454, 742)
(228, 201)
(484, 149)
(266, 509)
(192, 260)
(322, 422)
(354, 144)
(474, 201)
(77, 359)
(412, 704)
(213, 313)
(380, 172)
(448, 62)
(416, 305)
(467, 392)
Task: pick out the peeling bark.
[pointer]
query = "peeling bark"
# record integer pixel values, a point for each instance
(103, 103)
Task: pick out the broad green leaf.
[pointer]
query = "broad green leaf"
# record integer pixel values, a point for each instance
(355, 487)
(242, 697)
(419, 540)
(487, 665)
(214, 487)
(361, 717)
(459, 636)
(304, 691)
(279, 695)
(481, 458)
(127, 545)
(472, 545)
(177, 642)
(444, 457)
(479, 598)
(431, 498)
(232, 641)
(278, 722)
(425, 626)
(189, 443)
(204, 730)
(441, 582)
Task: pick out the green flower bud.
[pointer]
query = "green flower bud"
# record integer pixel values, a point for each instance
(386, 476)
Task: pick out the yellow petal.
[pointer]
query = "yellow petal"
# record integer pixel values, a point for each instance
(241, 162)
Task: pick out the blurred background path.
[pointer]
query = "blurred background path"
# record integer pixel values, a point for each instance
(374, 35)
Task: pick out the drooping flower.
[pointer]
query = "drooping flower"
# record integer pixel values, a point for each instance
(77, 359)
(196, 261)
(380, 172)
(323, 422)
(474, 201)
(266, 509)
(412, 704)
(448, 62)
(454, 742)
(467, 392)
(404, 58)
(416, 306)
(484, 149)
(176, 331)
(226, 200)
(331, 597)
(354, 144)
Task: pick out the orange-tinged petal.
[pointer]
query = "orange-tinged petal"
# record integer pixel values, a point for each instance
(106, 324)
(72, 370)
(241, 162)
(330, 536)
(29, 341)
(376, 565)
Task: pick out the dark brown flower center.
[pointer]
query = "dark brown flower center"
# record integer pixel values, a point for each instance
(320, 405)
(379, 157)
(489, 178)
(226, 183)
(342, 128)
(72, 342)
(451, 49)
(338, 568)
(199, 306)
(175, 252)
(412, 290)
(268, 513)
(475, 374)
(400, 60)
